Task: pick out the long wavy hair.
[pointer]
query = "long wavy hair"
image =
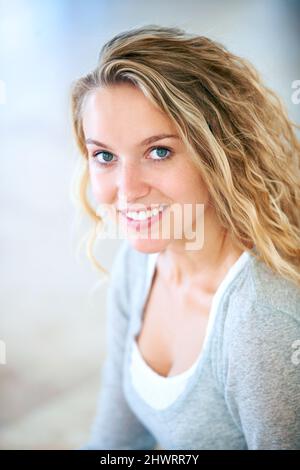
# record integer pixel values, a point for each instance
(236, 129)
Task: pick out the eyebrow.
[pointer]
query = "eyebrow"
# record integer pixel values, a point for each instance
(147, 141)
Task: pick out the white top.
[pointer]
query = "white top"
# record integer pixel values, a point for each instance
(159, 391)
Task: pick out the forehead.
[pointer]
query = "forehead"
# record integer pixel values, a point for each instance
(123, 109)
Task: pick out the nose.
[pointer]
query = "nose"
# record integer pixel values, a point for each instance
(131, 183)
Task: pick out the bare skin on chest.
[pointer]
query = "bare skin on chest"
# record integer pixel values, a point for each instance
(173, 327)
(176, 314)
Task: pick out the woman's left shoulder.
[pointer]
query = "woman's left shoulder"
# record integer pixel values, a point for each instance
(273, 290)
(262, 315)
(260, 291)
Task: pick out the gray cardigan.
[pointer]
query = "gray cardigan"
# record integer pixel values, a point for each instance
(245, 391)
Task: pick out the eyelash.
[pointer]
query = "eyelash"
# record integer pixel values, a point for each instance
(94, 155)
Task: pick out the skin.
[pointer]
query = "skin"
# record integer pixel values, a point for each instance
(122, 117)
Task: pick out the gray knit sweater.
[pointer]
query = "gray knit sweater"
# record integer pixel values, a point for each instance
(245, 391)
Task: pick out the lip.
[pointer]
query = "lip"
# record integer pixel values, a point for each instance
(141, 208)
(142, 224)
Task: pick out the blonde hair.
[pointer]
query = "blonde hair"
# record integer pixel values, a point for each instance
(235, 128)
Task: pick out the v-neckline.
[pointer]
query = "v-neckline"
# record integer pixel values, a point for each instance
(151, 267)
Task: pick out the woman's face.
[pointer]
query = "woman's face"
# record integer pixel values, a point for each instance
(128, 172)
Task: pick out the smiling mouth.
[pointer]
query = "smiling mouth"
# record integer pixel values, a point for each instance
(143, 219)
(141, 215)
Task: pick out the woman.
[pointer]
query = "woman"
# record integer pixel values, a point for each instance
(203, 341)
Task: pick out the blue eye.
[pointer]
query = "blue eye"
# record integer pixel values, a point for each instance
(161, 150)
(108, 157)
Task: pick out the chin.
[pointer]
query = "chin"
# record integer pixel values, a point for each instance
(148, 245)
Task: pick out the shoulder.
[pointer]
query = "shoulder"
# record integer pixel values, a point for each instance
(273, 290)
(259, 292)
(127, 271)
(128, 262)
(262, 321)
(260, 358)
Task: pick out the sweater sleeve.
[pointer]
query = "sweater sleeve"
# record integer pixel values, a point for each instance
(115, 426)
(262, 377)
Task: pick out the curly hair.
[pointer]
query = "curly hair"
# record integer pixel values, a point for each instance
(236, 129)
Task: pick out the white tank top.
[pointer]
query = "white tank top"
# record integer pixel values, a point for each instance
(159, 391)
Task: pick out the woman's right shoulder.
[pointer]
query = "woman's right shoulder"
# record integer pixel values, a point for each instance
(128, 259)
(129, 266)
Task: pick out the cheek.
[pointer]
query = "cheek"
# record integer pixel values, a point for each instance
(180, 183)
(171, 182)
(102, 186)
(191, 188)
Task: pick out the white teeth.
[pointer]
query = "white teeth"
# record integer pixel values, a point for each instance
(143, 215)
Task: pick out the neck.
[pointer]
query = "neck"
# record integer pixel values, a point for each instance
(179, 266)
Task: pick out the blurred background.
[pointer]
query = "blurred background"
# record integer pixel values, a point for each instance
(51, 316)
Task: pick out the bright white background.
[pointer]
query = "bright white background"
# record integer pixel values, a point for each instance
(52, 327)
